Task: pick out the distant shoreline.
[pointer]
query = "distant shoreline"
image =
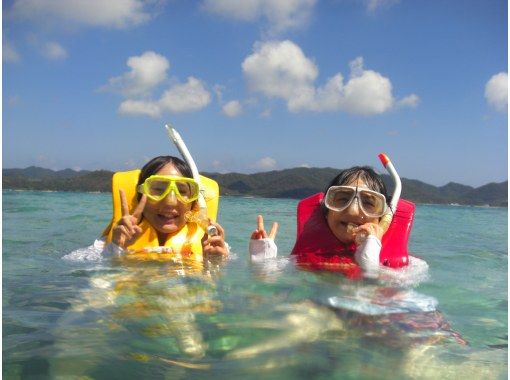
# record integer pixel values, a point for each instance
(240, 196)
(296, 183)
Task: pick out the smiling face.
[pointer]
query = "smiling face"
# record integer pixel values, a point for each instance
(338, 221)
(168, 215)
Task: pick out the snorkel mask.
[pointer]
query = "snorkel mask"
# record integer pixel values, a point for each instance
(371, 203)
(157, 187)
(200, 217)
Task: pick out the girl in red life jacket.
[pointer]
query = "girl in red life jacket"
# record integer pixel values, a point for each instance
(354, 203)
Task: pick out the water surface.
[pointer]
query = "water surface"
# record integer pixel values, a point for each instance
(83, 316)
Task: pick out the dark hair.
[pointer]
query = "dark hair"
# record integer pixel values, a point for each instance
(154, 165)
(366, 174)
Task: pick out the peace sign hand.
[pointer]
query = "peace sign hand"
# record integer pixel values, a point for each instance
(260, 232)
(262, 245)
(126, 230)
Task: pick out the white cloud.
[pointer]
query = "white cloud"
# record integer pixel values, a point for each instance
(232, 108)
(187, 97)
(367, 93)
(147, 71)
(190, 96)
(116, 14)
(54, 51)
(140, 107)
(280, 14)
(266, 163)
(496, 91)
(9, 52)
(409, 101)
(280, 69)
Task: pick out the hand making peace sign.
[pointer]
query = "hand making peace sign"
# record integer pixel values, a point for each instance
(127, 230)
(260, 232)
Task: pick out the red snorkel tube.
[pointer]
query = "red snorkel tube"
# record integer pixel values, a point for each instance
(398, 222)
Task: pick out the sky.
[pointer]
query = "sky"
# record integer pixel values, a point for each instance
(259, 85)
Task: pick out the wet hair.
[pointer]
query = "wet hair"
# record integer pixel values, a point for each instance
(154, 165)
(366, 174)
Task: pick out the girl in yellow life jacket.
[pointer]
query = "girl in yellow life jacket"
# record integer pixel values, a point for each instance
(167, 196)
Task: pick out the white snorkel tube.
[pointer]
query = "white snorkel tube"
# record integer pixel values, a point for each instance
(386, 219)
(201, 218)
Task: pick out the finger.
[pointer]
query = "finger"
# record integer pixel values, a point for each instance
(123, 203)
(139, 208)
(221, 231)
(255, 235)
(124, 231)
(260, 223)
(138, 230)
(274, 230)
(215, 241)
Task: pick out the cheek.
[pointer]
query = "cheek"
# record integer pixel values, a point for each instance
(372, 220)
(150, 207)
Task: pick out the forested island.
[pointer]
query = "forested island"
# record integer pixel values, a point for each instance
(294, 183)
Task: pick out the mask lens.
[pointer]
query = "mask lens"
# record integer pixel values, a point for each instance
(188, 191)
(372, 203)
(339, 198)
(156, 188)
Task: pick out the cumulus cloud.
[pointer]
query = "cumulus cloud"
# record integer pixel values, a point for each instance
(280, 69)
(496, 91)
(147, 71)
(186, 97)
(281, 15)
(232, 108)
(140, 107)
(409, 101)
(116, 14)
(266, 163)
(54, 51)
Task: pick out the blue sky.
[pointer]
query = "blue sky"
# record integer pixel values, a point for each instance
(259, 85)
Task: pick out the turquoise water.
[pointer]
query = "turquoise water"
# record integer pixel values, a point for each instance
(89, 318)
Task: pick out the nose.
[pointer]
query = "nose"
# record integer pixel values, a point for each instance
(353, 208)
(171, 198)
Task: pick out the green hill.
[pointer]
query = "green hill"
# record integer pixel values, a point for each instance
(289, 183)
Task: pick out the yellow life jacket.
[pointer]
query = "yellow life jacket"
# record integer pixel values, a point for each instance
(186, 241)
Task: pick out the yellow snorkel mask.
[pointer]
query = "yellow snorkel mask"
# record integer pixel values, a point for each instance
(157, 187)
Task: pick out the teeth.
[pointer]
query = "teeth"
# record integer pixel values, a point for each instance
(167, 215)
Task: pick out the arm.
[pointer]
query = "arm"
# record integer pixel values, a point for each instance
(368, 245)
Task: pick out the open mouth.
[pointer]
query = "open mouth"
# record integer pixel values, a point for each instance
(167, 218)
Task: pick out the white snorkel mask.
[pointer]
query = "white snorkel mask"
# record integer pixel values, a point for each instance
(200, 218)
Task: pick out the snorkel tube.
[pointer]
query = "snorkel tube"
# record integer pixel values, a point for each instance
(386, 219)
(201, 218)
(397, 223)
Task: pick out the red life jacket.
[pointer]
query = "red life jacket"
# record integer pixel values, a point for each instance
(317, 248)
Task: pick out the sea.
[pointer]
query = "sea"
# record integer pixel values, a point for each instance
(71, 313)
